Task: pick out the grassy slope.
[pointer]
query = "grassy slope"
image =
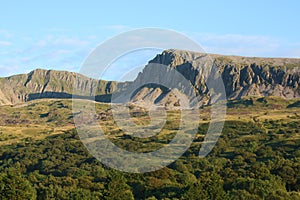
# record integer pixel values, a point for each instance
(41, 118)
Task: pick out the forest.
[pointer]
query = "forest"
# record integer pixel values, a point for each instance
(257, 158)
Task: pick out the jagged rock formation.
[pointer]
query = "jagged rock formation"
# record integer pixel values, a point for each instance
(242, 76)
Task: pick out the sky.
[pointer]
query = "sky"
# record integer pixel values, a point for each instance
(60, 34)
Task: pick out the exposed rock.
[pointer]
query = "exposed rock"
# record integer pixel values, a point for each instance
(242, 76)
(50, 84)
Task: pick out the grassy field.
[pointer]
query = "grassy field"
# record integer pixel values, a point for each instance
(40, 118)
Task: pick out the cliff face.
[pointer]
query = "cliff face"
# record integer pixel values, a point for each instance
(242, 76)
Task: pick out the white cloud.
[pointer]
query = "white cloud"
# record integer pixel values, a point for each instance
(5, 43)
(57, 30)
(293, 52)
(48, 57)
(70, 42)
(118, 28)
(41, 43)
(49, 47)
(51, 50)
(5, 34)
(235, 44)
(8, 70)
(53, 43)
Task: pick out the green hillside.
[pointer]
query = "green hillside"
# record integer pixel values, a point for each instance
(256, 157)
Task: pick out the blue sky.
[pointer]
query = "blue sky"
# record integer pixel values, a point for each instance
(60, 34)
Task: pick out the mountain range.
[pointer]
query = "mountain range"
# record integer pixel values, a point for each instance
(242, 76)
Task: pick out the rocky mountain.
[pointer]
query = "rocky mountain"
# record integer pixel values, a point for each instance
(51, 84)
(242, 76)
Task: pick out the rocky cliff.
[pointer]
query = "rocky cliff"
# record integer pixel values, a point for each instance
(242, 76)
